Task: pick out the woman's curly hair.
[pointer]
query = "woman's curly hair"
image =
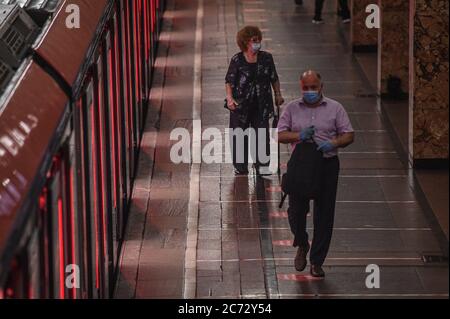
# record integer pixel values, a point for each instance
(246, 34)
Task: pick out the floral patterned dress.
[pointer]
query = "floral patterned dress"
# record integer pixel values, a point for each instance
(249, 87)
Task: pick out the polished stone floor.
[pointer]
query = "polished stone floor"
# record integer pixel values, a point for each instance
(242, 241)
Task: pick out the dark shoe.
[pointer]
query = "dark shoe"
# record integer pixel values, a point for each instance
(317, 271)
(300, 258)
(318, 21)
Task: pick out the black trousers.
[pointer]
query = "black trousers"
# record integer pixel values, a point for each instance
(324, 207)
(343, 4)
(255, 121)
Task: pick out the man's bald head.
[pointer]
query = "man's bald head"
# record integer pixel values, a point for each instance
(311, 81)
(311, 75)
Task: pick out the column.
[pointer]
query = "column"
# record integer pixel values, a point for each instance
(393, 47)
(363, 39)
(428, 84)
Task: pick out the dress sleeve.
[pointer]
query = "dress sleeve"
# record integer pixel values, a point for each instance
(285, 122)
(232, 74)
(273, 70)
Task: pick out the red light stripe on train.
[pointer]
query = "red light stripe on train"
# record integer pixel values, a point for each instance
(61, 249)
(278, 215)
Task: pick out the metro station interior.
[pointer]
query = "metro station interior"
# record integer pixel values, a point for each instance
(94, 95)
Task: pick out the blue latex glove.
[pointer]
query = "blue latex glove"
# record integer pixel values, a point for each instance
(307, 133)
(326, 147)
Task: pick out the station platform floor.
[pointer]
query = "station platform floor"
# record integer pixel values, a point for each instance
(198, 231)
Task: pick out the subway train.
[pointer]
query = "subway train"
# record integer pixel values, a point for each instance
(73, 98)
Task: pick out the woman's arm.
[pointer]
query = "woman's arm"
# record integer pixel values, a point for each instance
(275, 81)
(230, 100)
(276, 87)
(279, 100)
(231, 78)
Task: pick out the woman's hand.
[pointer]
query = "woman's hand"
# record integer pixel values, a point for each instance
(231, 103)
(279, 99)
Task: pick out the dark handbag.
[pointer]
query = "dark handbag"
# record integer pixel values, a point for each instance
(303, 176)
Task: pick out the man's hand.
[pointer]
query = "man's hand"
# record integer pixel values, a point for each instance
(307, 133)
(327, 146)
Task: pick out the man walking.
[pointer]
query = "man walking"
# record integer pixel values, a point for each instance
(326, 122)
(344, 11)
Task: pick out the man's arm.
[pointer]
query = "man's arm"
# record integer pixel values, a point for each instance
(287, 137)
(344, 140)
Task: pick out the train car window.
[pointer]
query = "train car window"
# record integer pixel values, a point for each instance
(126, 60)
(121, 170)
(44, 242)
(138, 66)
(131, 15)
(111, 121)
(143, 53)
(16, 284)
(56, 212)
(137, 58)
(148, 44)
(153, 8)
(34, 251)
(146, 38)
(84, 198)
(120, 113)
(123, 99)
(75, 221)
(105, 169)
(92, 187)
(65, 219)
(151, 37)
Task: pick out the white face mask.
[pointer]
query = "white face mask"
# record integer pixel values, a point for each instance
(256, 47)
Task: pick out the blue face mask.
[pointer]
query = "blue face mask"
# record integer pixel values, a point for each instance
(311, 97)
(256, 47)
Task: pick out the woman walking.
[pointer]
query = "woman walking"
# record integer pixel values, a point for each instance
(249, 82)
